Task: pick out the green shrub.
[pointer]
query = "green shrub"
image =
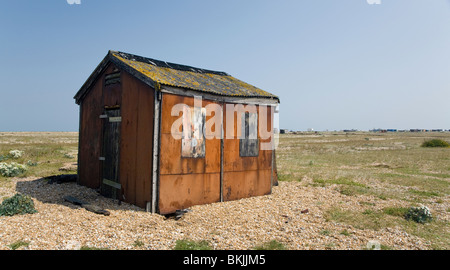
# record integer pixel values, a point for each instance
(435, 143)
(271, 245)
(138, 243)
(12, 169)
(419, 214)
(191, 245)
(15, 153)
(31, 164)
(18, 244)
(93, 248)
(17, 204)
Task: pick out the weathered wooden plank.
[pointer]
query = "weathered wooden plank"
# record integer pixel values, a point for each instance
(128, 158)
(111, 154)
(112, 184)
(144, 140)
(90, 207)
(74, 200)
(90, 137)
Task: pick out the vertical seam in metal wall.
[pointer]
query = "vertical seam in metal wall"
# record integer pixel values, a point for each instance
(160, 95)
(273, 148)
(156, 150)
(221, 156)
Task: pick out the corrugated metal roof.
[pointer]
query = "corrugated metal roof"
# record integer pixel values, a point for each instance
(155, 71)
(213, 82)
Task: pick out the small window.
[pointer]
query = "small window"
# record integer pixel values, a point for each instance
(249, 144)
(193, 137)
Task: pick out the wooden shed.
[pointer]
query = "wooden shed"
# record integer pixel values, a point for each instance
(131, 148)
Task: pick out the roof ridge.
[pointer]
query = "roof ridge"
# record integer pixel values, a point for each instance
(160, 63)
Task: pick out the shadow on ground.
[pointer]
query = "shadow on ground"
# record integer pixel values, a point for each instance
(55, 190)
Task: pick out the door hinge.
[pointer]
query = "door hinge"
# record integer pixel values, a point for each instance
(115, 119)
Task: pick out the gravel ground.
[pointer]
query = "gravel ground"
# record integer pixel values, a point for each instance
(234, 225)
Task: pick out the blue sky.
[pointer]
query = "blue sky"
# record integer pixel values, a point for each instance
(335, 64)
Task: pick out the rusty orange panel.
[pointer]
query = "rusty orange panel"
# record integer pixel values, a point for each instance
(263, 182)
(233, 161)
(170, 156)
(245, 184)
(212, 156)
(171, 161)
(268, 117)
(265, 160)
(230, 154)
(168, 102)
(182, 191)
(193, 165)
(171, 100)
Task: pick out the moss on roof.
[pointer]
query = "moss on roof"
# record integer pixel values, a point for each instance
(213, 82)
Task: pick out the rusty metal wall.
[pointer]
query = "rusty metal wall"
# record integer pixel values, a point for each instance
(245, 176)
(190, 181)
(185, 181)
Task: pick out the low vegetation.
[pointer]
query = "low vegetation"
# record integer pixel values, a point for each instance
(35, 154)
(435, 143)
(400, 170)
(187, 244)
(93, 248)
(12, 169)
(17, 205)
(390, 176)
(419, 214)
(18, 244)
(271, 245)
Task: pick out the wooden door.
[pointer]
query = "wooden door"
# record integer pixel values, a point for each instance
(111, 151)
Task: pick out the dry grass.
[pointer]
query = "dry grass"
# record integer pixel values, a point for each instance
(355, 186)
(46, 151)
(387, 166)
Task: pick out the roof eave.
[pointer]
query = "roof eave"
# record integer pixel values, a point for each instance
(109, 58)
